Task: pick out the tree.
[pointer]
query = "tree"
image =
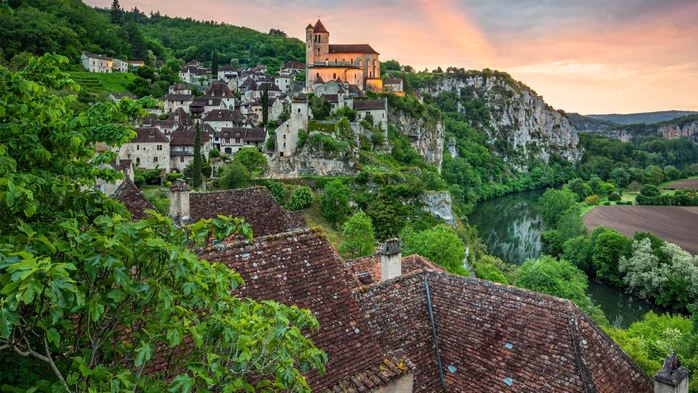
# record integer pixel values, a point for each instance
(578, 250)
(234, 176)
(358, 236)
(641, 275)
(609, 246)
(214, 63)
(334, 201)
(68, 303)
(656, 175)
(301, 198)
(117, 12)
(555, 277)
(650, 190)
(440, 244)
(571, 225)
(579, 187)
(553, 204)
(251, 159)
(320, 107)
(196, 172)
(265, 104)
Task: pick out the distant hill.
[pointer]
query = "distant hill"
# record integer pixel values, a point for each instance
(589, 124)
(645, 117)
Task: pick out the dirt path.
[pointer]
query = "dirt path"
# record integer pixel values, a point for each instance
(675, 224)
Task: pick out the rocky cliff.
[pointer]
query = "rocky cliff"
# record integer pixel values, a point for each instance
(519, 119)
(426, 135)
(675, 131)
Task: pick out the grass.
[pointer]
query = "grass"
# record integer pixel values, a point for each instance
(666, 183)
(586, 210)
(314, 125)
(95, 82)
(313, 216)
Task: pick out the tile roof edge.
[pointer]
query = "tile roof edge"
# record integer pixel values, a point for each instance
(317, 231)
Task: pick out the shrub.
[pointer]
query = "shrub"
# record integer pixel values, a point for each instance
(614, 197)
(377, 138)
(592, 200)
(235, 176)
(301, 198)
(302, 138)
(358, 236)
(215, 153)
(634, 186)
(278, 191)
(172, 176)
(650, 190)
(489, 272)
(334, 201)
(607, 203)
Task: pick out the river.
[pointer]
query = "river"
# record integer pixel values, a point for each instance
(511, 226)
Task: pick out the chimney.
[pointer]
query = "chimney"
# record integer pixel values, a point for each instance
(179, 201)
(391, 259)
(673, 377)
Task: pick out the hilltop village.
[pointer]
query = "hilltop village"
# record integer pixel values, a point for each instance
(388, 323)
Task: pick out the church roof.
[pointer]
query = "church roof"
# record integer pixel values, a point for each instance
(320, 28)
(352, 48)
(310, 26)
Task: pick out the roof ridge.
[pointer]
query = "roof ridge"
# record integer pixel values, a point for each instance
(266, 239)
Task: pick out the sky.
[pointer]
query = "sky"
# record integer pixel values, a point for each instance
(591, 56)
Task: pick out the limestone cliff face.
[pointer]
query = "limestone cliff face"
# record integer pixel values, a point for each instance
(674, 131)
(518, 116)
(439, 204)
(309, 162)
(426, 137)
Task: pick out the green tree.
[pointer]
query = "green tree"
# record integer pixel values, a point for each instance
(301, 198)
(116, 12)
(553, 204)
(555, 277)
(214, 63)
(235, 176)
(609, 247)
(440, 244)
(655, 175)
(265, 104)
(278, 190)
(579, 187)
(251, 159)
(334, 201)
(320, 107)
(358, 236)
(489, 272)
(196, 172)
(578, 251)
(571, 225)
(78, 275)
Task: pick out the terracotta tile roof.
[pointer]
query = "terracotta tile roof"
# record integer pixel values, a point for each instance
(134, 200)
(184, 136)
(149, 135)
(206, 101)
(223, 115)
(180, 86)
(294, 65)
(319, 27)
(368, 269)
(301, 268)
(227, 68)
(178, 97)
(366, 105)
(490, 332)
(244, 133)
(259, 208)
(354, 89)
(182, 117)
(318, 79)
(93, 56)
(260, 86)
(352, 48)
(392, 81)
(392, 367)
(331, 98)
(219, 89)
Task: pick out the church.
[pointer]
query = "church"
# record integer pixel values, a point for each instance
(347, 64)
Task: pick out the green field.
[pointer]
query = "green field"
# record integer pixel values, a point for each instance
(95, 83)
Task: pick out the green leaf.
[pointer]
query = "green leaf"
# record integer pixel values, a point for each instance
(143, 354)
(182, 383)
(175, 337)
(53, 337)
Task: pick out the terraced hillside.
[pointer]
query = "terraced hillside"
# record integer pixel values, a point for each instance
(95, 83)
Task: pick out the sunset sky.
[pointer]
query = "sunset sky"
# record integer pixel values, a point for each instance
(595, 56)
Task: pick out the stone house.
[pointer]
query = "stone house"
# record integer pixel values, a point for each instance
(150, 149)
(119, 66)
(230, 140)
(179, 88)
(255, 90)
(284, 82)
(291, 67)
(182, 146)
(123, 166)
(393, 85)
(276, 108)
(172, 102)
(205, 104)
(287, 134)
(223, 118)
(220, 89)
(136, 63)
(227, 73)
(378, 109)
(96, 63)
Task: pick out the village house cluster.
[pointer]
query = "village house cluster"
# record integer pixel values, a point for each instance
(230, 111)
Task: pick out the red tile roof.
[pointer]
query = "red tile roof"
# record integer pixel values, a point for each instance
(134, 200)
(223, 115)
(244, 133)
(366, 105)
(368, 269)
(352, 48)
(149, 135)
(319, 27)
(219, 89)
(184, 136)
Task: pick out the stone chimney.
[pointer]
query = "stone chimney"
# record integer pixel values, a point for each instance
(391, 259)
(673, 377)
(179, 201)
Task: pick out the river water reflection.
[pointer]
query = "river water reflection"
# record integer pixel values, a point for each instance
(511, 226)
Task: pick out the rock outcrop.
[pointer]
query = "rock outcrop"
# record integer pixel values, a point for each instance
(676, 131)
(426, 137)
(518, 116)
(309, 162)
(439, 203)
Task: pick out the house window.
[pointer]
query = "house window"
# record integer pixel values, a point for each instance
(284, 136)
(159, 147)
(281, 154)
(334, 76)
(237, 140)
(138, 147)
(138, 160)
(335, 61)
(284, 144)
(181, 158)
(155, 159)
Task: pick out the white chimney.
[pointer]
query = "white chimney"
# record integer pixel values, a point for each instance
(673, 377)
(179, 201)
(391, 259)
